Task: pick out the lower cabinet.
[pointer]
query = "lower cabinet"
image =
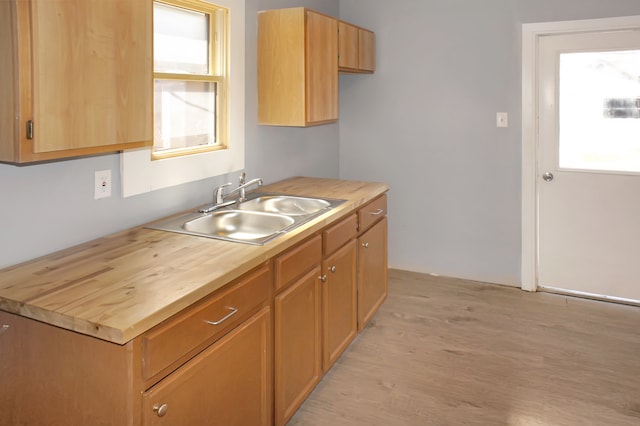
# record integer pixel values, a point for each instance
(229, 383)
(248, 354)
(339, 302)
(372, 271)
(315, 312)
(297, 348)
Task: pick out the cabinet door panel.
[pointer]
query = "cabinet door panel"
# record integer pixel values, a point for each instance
(322, 68)
(281, 71)
(339, 303)
(366, 50)
(298, 356)
(227, 384)
(372, 271)
(347, 46)
(91, 71)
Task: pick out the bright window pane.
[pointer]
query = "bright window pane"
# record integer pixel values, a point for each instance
(184, 114)
(599, 111)
(180, 40)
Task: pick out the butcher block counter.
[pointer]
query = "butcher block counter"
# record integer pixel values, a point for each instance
(119, 286)
(148, 327)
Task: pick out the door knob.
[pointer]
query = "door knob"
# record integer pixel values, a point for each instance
(548, 177)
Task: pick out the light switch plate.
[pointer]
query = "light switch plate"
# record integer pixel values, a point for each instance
(502, 119)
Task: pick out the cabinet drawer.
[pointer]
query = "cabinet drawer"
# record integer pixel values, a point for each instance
(297, 261)
(229, 383)
(337, 235)
(193, 329)
(372, 212)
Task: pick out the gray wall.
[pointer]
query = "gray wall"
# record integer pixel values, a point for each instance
(273, 152)
(425, 123)
(47, 207)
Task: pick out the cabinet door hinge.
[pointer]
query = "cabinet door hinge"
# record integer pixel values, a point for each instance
(29, 129)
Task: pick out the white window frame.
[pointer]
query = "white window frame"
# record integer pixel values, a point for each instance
(140, 174)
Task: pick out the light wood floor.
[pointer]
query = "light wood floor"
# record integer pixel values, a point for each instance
(443, 351)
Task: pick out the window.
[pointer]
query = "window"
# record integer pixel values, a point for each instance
(190, 77)
(140, 174)
(600, 111)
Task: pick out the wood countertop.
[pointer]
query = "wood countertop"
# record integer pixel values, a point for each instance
(119, 286)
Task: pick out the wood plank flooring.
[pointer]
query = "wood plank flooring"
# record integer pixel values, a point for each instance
(443, 351)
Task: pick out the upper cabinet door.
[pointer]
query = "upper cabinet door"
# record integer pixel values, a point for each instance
(348, 46)
(298, 65)
(297, 68)
(366, 50)
(322, 68)
(357, 49)
(84, 78)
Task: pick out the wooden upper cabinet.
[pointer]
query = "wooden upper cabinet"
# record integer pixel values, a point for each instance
(356, 49)
(366, 50)
(297, 68)
(347, 46)
(78, 75)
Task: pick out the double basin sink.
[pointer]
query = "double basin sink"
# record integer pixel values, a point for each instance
(259, 219)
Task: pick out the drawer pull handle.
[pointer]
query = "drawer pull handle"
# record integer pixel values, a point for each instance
(160, 410)
(377, 212)
(226, 317)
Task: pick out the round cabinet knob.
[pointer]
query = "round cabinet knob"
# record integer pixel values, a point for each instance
(160, 410)
(323, 278)
(548, 177)
(365, 245)
(332, 269)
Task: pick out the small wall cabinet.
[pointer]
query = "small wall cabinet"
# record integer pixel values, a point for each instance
(300, 53)
(75, 78)
(297, 68)
(356, 49)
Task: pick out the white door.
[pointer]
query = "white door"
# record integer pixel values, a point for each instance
(589, 163)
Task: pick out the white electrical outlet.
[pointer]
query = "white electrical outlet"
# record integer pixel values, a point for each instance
(102, 186)
(502, 119)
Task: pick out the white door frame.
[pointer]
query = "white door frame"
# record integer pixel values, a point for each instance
(530, 37)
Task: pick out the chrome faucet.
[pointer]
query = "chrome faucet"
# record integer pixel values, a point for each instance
(219, 194)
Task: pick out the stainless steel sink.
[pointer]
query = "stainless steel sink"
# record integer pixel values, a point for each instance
(263, 217)
(285, 204)
(239, 225)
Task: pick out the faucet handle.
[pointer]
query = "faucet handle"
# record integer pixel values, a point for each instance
(219, 193)
(242, 179)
